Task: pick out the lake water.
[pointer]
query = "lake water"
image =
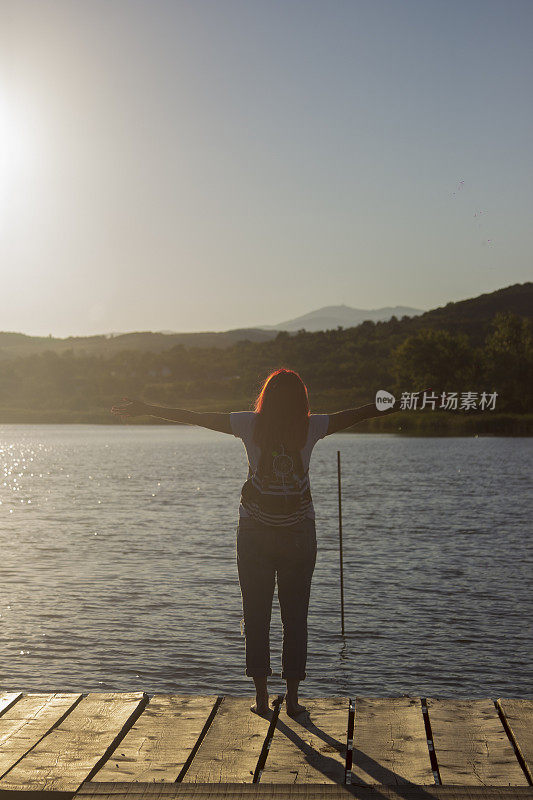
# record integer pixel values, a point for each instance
(118, 566)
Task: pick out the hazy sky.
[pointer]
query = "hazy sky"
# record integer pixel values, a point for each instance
(215, 164)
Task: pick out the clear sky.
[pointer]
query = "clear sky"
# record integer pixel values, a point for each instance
(214, 164)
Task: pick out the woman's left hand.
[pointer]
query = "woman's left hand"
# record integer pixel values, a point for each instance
(130, 408)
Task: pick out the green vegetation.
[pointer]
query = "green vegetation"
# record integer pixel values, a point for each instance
(472, 346)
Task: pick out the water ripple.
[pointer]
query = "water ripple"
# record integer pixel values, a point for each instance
(119, 573)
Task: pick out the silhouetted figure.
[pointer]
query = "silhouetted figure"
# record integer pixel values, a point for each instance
(276, 532)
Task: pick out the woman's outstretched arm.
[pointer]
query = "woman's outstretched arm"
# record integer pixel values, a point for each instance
(351, 416)
(214, 420)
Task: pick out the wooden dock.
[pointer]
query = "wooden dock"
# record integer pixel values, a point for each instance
(132, 746)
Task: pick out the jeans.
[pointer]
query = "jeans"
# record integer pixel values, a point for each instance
(264, 552)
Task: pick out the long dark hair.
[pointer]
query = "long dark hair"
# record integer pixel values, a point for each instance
(283, 412)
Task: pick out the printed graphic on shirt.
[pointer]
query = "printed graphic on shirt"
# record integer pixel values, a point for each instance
(288, 473)
(278, 492)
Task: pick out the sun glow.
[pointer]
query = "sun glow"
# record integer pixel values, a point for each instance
(17, 152)
(16, 140)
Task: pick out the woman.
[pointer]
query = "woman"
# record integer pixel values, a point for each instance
(276, 534)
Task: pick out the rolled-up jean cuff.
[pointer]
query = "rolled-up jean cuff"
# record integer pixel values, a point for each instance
(258, 673)
(293, 676)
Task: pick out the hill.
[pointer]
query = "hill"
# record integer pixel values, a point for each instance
(13, 345)
(484, 344)
(330, 317)
(471, 316)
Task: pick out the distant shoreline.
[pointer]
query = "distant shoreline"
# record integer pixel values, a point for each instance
(410, 423)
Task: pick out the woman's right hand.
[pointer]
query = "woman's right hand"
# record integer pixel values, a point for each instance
(130, 408)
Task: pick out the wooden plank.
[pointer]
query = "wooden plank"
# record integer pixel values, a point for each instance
(7, 699)
(471, 745)
(27, 721)
(390, 744)
(311, 748)
(232, 745)
(157, 746)
(519, 719)
(299, 791)
(64, 758)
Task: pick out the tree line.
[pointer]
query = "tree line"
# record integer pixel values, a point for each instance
(342, 368)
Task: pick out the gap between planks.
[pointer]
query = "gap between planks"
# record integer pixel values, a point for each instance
(300, 752)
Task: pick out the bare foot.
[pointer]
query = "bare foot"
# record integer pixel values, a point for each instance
(260, 706)
(293, 709)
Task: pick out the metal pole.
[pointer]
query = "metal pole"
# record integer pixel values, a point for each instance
(340, 537)
(349, 742)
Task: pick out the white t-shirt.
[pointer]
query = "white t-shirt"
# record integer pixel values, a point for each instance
(242, 425)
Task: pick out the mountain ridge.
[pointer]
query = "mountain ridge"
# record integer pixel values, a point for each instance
(472, 316)
(328, 317)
